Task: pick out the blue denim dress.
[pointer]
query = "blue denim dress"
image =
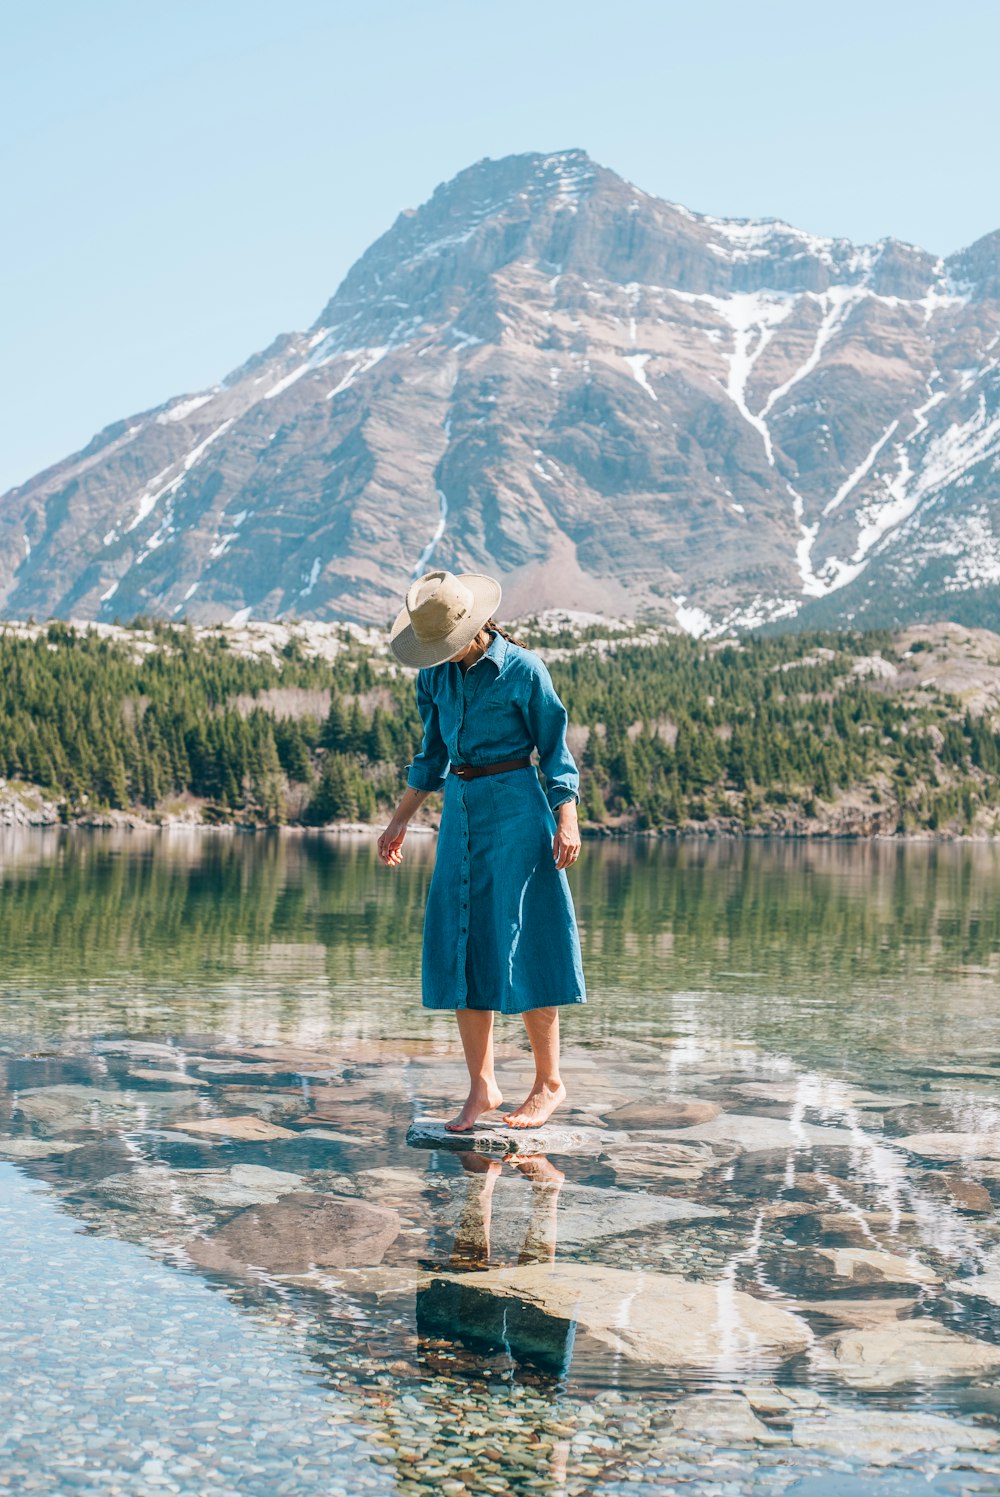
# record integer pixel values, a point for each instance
(500, 927)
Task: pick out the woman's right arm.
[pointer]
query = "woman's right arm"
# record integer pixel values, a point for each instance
(391, 840)
(424, 775)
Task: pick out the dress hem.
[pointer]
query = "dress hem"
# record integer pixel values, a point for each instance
(526, 1008)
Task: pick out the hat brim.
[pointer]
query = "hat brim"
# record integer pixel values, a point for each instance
(420, 652)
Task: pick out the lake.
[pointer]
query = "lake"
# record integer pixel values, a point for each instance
(766, 1258)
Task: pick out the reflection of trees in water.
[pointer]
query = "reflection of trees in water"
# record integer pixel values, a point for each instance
(846, 907)
(801, 938)
(179, 903)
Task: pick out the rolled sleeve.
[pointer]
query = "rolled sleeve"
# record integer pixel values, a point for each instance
(426, 770)
(547, 719)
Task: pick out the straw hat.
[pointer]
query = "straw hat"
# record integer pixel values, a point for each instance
(444, 612)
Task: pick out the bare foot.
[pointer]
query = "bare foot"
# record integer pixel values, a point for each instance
(537, 1107)
(536, 1168)
(480, 1100)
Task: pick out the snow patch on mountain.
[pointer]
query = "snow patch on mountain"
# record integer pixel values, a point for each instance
(149, 499)
(753, 317)
(637, 363)
(182, 409)
(423, 561)
(836, 305)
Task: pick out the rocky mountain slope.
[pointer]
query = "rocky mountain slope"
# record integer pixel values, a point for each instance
(611, 402)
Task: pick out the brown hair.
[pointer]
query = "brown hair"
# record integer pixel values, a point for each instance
(492, 624)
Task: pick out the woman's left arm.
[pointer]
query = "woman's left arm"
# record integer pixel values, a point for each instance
(547, 720)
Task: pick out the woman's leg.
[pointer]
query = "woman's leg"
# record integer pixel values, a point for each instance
(548, 1091)
(475, 1025)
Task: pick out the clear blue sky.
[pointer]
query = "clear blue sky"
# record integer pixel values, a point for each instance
(183, 181)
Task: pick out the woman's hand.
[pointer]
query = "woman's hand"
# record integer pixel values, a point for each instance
(566, 842)
(391, 841)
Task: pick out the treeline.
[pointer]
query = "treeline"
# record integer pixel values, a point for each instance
(678, 733)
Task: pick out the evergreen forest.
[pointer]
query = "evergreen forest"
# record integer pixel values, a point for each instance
(788, 733)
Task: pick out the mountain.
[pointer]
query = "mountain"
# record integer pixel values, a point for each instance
(611, 402)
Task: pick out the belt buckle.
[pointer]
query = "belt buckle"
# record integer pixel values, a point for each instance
(461, 770)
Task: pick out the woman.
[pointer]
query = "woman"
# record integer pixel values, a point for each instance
(500, 933)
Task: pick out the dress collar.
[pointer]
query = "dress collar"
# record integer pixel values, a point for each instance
(496, 651)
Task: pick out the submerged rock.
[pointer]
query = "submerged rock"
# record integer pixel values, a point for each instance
(904, 1351)
(496, 1138)
(652, 1318)
(160, 1191)
(952, 1145)
(879, 1438)
(578, 1214)
(243, 1185)
(139, 1050)
(673, 1112)
(985, 1284)
(168, 1078)
(968, 1195)
(299, 1232)
(645, 1160)
(872, 1266)
(35, 1148)
(729, 1418)
(756, 1134)
(242, 1127)
(73, 1106)
(860, 1314)
(830, 1096)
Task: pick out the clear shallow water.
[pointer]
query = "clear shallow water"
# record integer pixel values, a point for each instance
(756, 1284)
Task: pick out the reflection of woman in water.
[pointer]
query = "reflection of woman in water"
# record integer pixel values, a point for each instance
(500, 932)
(472, 1246)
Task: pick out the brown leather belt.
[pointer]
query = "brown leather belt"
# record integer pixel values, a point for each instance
(473, 771)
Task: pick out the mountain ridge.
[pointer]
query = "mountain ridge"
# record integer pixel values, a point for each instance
(612, 402)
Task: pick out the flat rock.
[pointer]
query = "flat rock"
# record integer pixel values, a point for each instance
(216, 1067)
(71, 1106)
(382, 1282)
(859, 1314)
(253, 1128)
(578, 1214)
(496, 1138)
(243, 1185)
(300, 1232)
(652, 1318)
(968, 1195)
(729, 1416)
(904, 1351)
(948, 1146)
(333, 1137)
(159, 1190)
(265, 1104)
(397, 1179)
(671, 1112)
(875, 1221)
(879, 1438)
(985, 1284)
(872, 1266)
(661, 1160)
(824, 1098)
(139, 1050)
(35, 1148)
(754, 1134)
(168, 1078)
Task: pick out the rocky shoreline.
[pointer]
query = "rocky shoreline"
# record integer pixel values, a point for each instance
(34, 812)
